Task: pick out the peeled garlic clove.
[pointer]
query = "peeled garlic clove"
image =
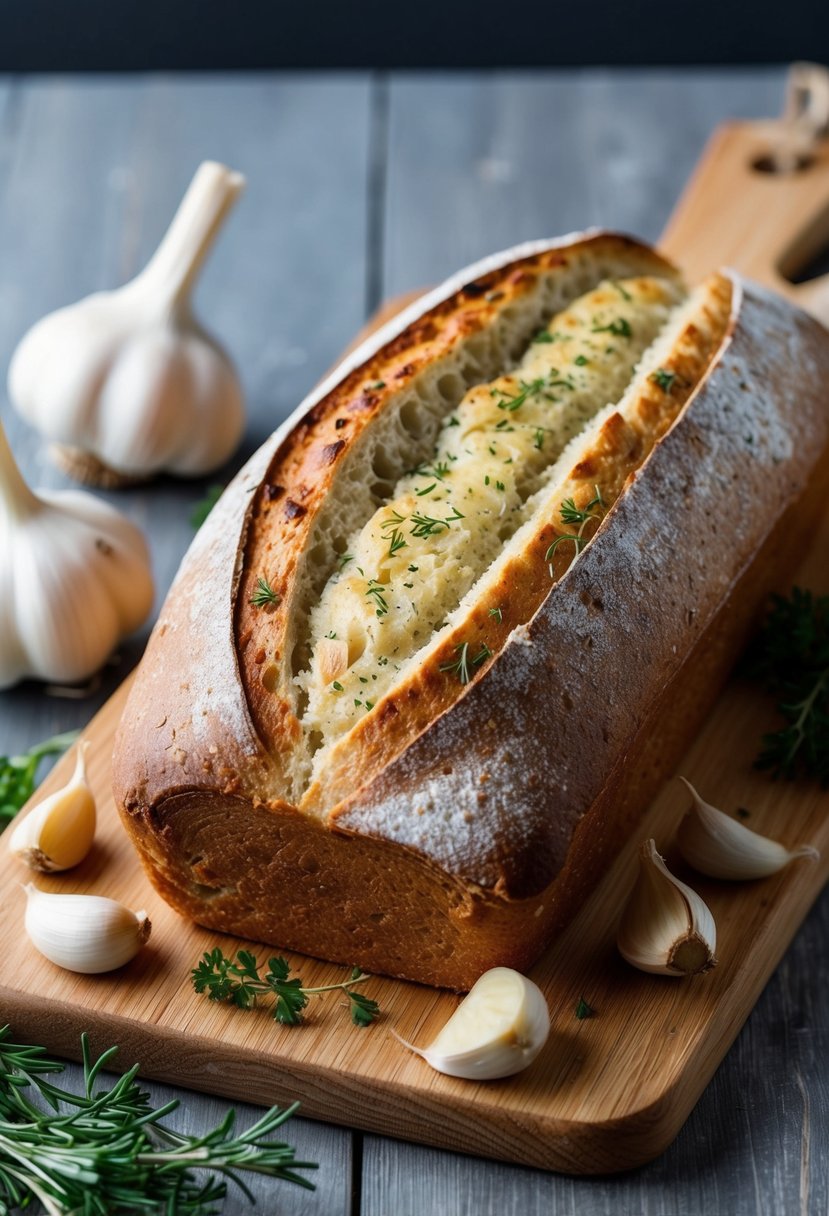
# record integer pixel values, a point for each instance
(666, 928)
(721, 847)
(58, 833)
(332, 657)
(497, 1030)
(84, 933)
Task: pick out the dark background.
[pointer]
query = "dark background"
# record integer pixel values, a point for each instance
(125, 35)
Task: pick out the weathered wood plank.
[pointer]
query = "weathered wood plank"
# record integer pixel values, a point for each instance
(480, 162)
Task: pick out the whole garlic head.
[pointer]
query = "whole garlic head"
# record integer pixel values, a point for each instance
(127, 383)
(74, 579)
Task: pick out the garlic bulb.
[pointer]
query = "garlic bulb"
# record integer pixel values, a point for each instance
(84, 933)
(74, 579)
(721, 847)
(127, 382)
(665, 928)
(497, 1030)
(58, 833)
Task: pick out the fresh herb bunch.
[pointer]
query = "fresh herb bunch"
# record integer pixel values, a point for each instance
(791, 658)
(18, 774)
(240, 983)
(105, 1152)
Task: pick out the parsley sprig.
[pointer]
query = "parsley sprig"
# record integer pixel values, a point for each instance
(240, 983)
(791, 658)
(18, 774)
(106, 1151)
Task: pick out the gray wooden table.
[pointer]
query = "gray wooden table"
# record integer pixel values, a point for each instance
(361, 186)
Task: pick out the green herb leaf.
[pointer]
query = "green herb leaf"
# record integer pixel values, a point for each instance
(240, 983)
(664, 379)
(790, 657)
(620, 328)
(464, 664)
(203, 508)
(18, 774)
(583, 1010)
(264, 594)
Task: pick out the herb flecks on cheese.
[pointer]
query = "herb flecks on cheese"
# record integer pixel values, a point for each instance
(447, 520)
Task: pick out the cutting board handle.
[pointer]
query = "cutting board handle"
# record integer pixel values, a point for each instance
(759, 198)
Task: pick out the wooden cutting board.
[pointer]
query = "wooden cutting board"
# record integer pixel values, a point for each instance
(608, 1092)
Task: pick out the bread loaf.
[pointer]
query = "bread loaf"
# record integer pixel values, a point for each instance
(442, 638)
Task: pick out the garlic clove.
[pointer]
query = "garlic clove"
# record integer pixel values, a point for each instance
(332, 657)
(74, 579)
(127, 383)
(721, 847)
(58, 833)
(84, 933)
(666, 928)
(497, 1030)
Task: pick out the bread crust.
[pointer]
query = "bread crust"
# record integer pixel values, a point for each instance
(469, 843)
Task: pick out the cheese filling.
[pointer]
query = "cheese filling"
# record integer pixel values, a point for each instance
(409, 566)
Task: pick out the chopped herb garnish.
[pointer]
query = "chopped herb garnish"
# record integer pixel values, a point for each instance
(620, 328)
(663, 378)
(413, 569)
(337, 686)
(538, 441)
(379, 384)
(375, 590)
(345, 559)
(463, 665)
(571, 514)
(497, 613)
(581, 360)
(425, 525)
(583, 1010)
(453, 420)
(426, 490)
(332, 634)
(543, 335)
(527, 389)
(396, 542)
(264, 594)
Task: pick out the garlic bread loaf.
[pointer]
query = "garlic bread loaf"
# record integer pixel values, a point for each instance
(442, 638)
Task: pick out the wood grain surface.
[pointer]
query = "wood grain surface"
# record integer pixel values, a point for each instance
(367, 187)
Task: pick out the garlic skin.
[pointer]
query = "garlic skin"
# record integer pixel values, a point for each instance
(127, 382)
(721, 847)
(74, 579)
(58, 833)
(497, 1030)
(666, 928)
(84, 933)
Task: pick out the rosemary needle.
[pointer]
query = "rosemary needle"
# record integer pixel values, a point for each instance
(105, 1152)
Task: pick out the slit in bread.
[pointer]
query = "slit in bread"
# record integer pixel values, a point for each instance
(513, 509)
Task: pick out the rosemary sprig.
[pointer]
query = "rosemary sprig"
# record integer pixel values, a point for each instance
(571, 514)
(791, 658)
(105, 1152)
(426, 525)
(527, 389)
(375, 591)
(18, 774)
(241, 984)
(264, 594)
(463, 666)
